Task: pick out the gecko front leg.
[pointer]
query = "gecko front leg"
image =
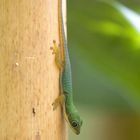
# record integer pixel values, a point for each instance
(58, 101)
(56, 50)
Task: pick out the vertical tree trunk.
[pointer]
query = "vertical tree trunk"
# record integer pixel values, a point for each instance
(28, 75)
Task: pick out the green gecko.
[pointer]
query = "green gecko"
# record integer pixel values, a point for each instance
(65, 78)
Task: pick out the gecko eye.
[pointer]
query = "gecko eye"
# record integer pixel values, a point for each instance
(74, 124)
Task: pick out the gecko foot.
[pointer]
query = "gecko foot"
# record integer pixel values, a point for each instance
(54, 48)
(58, 101)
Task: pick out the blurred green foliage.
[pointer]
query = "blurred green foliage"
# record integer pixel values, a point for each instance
(104, 46)
(105, 53)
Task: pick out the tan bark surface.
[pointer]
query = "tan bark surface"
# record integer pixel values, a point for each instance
(28, 75)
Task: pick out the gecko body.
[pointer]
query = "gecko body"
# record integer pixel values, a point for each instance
(65, 78)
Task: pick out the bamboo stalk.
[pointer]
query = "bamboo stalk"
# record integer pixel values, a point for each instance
(28, 75)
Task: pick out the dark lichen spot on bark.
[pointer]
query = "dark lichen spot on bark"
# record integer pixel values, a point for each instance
(33, 111)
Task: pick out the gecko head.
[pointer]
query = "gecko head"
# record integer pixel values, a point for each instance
(75, 122)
